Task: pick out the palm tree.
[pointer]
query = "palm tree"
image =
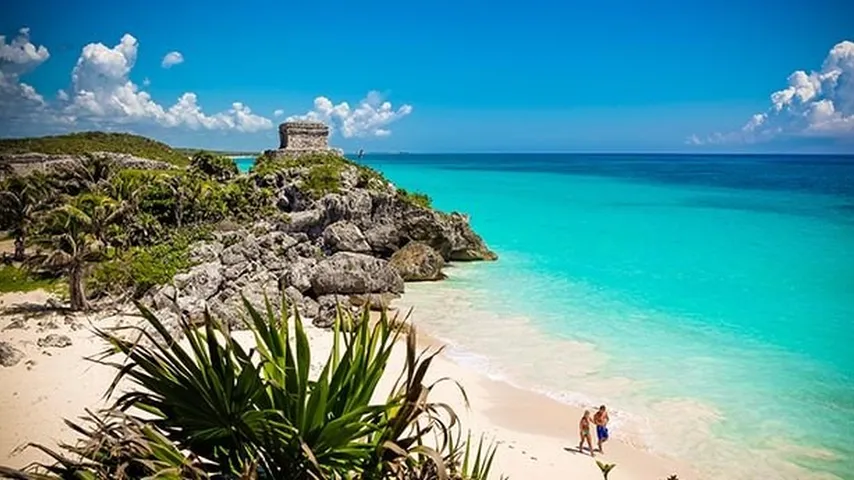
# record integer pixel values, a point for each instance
(21, 197)
(69, 241)
(103, 212)
(87, 173)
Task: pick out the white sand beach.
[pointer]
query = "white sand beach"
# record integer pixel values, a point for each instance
(537, 435)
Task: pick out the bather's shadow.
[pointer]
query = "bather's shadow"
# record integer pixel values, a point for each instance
(577, 451)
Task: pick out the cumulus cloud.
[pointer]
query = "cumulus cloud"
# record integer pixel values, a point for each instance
(369, 118)
(18, 57)
(816, 104)
(102, 93)
(172, 58)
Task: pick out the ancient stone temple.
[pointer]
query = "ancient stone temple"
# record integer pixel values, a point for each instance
(303, 135)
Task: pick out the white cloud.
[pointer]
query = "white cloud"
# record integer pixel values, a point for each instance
(103, 91)
(101, 94)
(146, 82)
(815, 104)
(18, 100)
(369, 118)
(172, 58)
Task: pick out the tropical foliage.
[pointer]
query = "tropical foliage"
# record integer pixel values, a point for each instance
(20, 200)
(133, 226)
(215, 409)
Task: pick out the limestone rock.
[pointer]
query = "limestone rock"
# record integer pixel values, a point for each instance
(347, 273)
(417, 261)
(384, 238)
(54, 341)
(201, 281)
(327, 310)
(298, 274)
(9, 355)
(375, 301)
(202, 252)
(307, 221)
(343, 236)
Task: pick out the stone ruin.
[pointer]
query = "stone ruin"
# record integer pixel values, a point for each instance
(303, 136)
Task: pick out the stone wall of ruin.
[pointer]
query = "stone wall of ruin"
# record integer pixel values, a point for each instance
(303, 136)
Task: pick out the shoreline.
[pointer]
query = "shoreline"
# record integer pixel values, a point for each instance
(536, 434)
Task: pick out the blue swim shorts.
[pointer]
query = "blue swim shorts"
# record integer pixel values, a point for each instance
(602, 432)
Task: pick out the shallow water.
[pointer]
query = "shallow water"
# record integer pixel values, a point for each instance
(709, 300)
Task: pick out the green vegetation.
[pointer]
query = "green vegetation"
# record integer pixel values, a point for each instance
(214, 166)
(113, 230)
(138, 269)
(217, 410)
(222, 153)
(20, 200)
(88, 142)
(415, 198)
(16, 279)
(323, 171)
(605, 468)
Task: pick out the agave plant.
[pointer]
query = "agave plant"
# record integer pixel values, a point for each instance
(260, 413)
(605, 468)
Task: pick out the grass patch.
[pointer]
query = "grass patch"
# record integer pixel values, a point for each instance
(16, 279)
(88, 142)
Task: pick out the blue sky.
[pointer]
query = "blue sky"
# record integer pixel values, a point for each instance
(459, 76)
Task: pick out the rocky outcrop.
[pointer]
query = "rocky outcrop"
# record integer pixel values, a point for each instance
(418, 261)
(354, 247)
(22, 163)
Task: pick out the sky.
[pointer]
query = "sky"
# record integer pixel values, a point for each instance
(440, 76)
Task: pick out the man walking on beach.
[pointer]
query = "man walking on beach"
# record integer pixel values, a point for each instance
(601, 420)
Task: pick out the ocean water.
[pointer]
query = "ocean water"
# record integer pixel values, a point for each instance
(708, 300)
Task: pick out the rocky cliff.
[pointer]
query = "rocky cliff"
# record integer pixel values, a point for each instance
(23, 163)
(354, 241)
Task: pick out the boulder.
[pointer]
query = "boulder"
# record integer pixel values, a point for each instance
(327, 310)
(375, 301)
(307, 221)
(9, 355)
(383, 238)
(298, 274)
(417, 261)
(347, 273)
(466, 244)
(343, 236)
(201, 281)
(202, 252)
(353, 205)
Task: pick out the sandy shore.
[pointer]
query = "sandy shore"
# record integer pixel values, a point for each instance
(537, 435)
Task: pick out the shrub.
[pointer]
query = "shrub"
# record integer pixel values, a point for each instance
(415, 198)
(138, 269)
(216, 410)
(322, 179)
(214, 166)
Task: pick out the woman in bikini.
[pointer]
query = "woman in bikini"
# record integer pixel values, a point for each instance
(584, 432)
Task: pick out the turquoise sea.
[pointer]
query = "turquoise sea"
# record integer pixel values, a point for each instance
(709, 300)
